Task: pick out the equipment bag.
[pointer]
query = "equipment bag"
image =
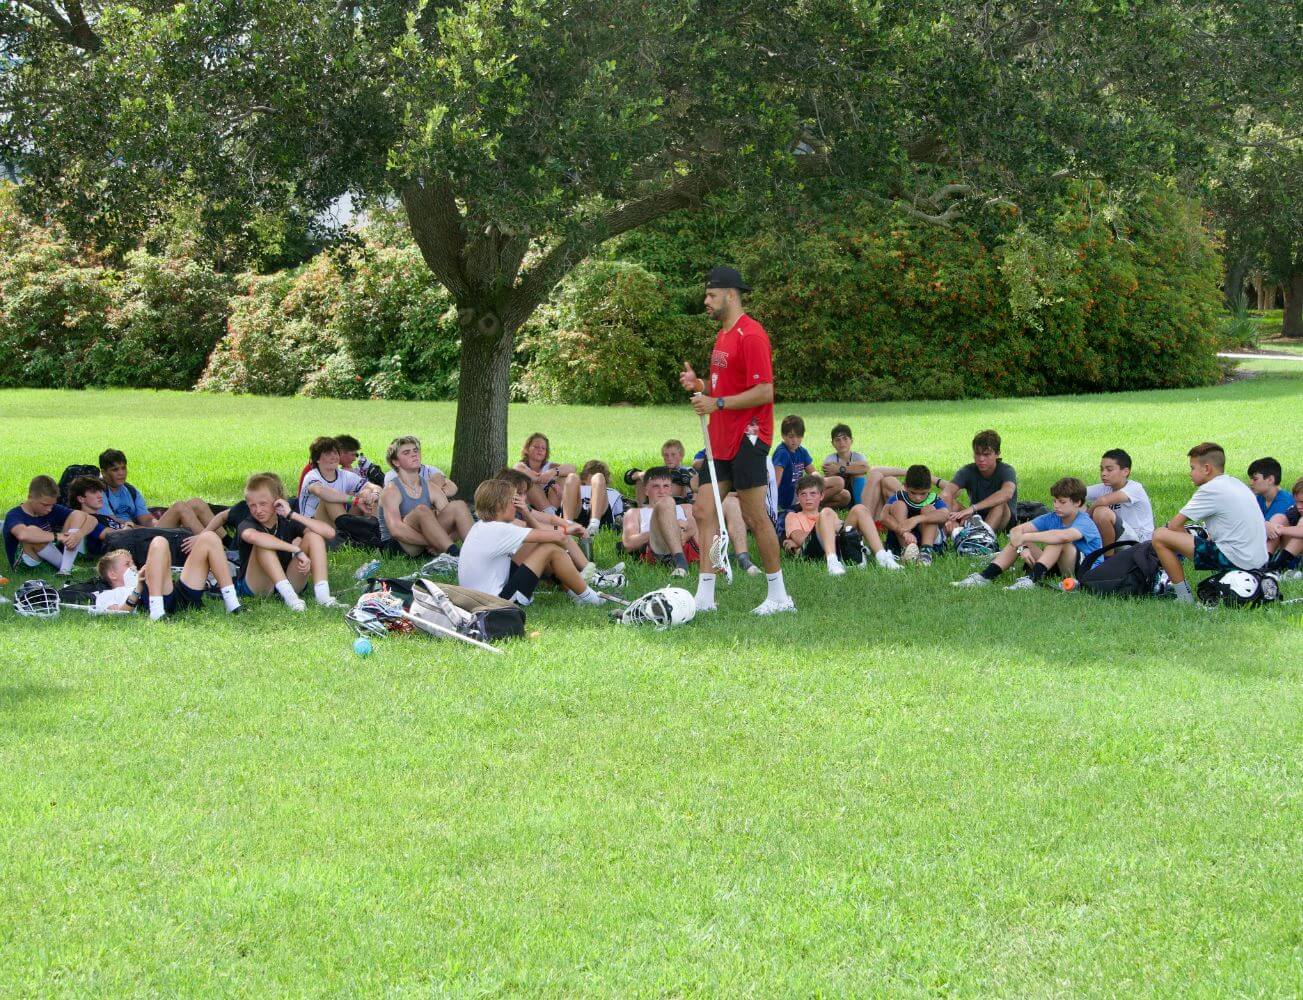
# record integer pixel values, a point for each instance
(1129, 573)
(494, 617)
(136, 541)
(74, 472)
(850, 546)
(1028, 510)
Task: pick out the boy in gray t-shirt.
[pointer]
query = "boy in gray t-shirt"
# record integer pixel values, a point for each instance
(991, 485)
(1237, 535)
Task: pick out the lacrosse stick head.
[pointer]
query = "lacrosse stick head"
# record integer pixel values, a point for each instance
(378, 613)
(719, 554)
(36, 599)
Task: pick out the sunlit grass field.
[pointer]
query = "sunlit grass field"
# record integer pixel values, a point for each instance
(902, 790)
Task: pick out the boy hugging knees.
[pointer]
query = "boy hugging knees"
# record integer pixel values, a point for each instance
(991, 485)
(328, 490)
(1278, 507)
(505, 557)
(1056, 542)
(124, 503)
(153, 585)
(41, 529)
(589, 499)
(684, 476)
(281, 549)
(661, 531)
(1288, 537)
(915, 517)
(812, 533)
(1118, 504)
(531, 518)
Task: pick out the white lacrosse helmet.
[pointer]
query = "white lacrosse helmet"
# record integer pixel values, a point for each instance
(662, 608)
(36, 599)
(1240, 588)
(975, 538)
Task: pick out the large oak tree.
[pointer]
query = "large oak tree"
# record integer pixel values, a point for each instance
(520, 134)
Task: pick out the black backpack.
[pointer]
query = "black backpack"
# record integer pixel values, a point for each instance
(136, 541)
(1131, 571)
(357, 530)
(850, 546)
(75, 472)
(1028, 510)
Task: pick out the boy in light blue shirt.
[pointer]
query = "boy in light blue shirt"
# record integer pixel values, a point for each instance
(1056, 542)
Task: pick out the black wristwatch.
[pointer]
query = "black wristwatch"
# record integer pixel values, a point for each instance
(719, 402)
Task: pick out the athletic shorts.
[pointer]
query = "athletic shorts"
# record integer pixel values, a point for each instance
(691, 552)
(586, 512)
(393, 547)
(745, 470)
(812, 547)
(1207, 556)
(892, 542)
(181, 598)
(522, 580)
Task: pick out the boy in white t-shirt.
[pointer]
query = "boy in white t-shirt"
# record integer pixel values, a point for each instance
(1118, 504)
(329, 490)
(153, 584)
(1237, 537)
(503, 557)
(662, 531)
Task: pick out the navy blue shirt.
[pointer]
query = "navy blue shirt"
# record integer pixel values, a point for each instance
(789, 467)
(51, 522)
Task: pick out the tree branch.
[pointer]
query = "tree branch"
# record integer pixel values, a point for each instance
(72, 27)
(439, 230)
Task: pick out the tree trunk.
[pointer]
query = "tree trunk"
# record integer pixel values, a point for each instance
(484, 390)
(1233, 288)
(1293, 321)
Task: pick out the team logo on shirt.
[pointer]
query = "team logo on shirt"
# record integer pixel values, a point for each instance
(718, 359)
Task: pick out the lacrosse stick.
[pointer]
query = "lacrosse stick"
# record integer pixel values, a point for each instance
(429, 628)
(719, 547)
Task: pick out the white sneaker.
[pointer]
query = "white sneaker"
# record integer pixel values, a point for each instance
(836, 568)
(678, 572)
(617, 568)
(1293, 574)
(768, 607)
(1022, 583)
(910, 554)
(608, 579)
(887, 561)
(972, 580)
(296, 605)
(329, 602)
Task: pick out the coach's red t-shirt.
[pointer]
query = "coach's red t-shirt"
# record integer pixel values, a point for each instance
(741, 359)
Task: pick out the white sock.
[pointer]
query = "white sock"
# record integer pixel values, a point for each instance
(705, 590)
(229, 597)
(321, 591)
(52, 554)
(286, 590)
(69, 557)
(832, 560)
(593, 526)
(587, 572)
(777, 591)
(588, 596)
(155, 608)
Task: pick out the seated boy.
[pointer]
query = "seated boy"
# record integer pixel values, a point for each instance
(327, 490)
(915, 518)
(1054, 542)
(1275, 504)
(1236, 538)
(224, 522)
(417, 515)
(860, 482)
(1118, 504)
(991, 485)
(528, 516)
(352, 459)
(1288, 537)
(280, 549)
(662, 531)
(791, 461)
(546, 476)
(41, 529)
(812, 533)
(86, 494)
(154, 586)
(123, 502)
(684, 476)
(588, 499)
(503, 557)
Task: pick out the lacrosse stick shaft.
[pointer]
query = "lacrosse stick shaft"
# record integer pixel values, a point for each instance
(432, 629)
(722, 542)
(612, 598)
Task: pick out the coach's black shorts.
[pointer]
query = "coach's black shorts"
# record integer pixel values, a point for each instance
(745, 470)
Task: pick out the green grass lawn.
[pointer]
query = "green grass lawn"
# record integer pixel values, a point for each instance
(903, 790)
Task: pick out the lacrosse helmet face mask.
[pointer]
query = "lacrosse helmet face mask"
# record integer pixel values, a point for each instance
(975, 538)
(36, 599)
(662, 608)
(1238, 588)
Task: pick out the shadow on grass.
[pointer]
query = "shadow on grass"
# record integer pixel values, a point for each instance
(14, 695)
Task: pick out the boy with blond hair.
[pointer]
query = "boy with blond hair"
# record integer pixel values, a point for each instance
(1057, 541)
(153, 585)
(280, 549)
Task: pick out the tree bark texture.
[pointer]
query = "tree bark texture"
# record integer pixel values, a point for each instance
(1233, 287)
(1292, 326)
(483, 393)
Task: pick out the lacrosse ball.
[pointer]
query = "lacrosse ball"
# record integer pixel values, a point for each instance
(1069, 583)
(362, 646)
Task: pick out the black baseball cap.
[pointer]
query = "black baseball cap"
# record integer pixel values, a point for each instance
(726, 277)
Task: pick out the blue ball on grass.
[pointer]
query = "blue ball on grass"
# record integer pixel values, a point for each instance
(362, 646)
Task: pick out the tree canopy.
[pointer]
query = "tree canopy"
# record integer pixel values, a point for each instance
(520, 134)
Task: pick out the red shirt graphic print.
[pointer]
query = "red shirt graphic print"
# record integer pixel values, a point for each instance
(741, 360)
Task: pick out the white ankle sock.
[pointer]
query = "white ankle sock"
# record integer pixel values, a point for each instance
(594, 525)
(286, 590)
(155, 608)
(321, 591)
(588, 596)
(705, 590)
(52, 554)
(229, 597)
(777, 590)
(69, 557)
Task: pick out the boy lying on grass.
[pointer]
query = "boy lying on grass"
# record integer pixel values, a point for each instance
(153, 584)
(812, 533)
(1056, 542)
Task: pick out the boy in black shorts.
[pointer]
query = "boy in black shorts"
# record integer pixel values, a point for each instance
(991, 485)
(812, 533)
(153, 584)
(280, 549)
(916, 516)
